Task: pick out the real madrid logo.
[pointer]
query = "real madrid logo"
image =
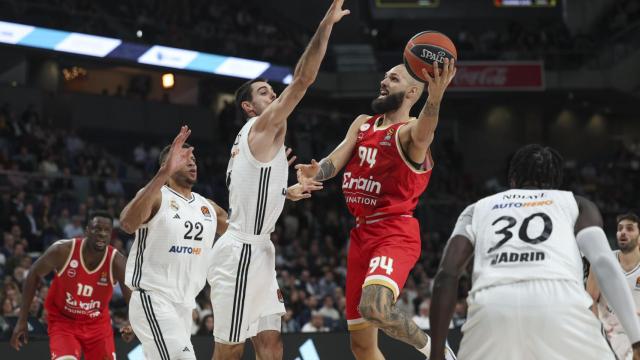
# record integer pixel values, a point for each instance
(174, 205)
(365, 127)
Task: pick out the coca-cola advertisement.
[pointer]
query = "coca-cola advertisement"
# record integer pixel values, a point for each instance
(499, 75)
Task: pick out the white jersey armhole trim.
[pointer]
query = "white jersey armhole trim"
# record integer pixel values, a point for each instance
(113, 256)
(73, 246)
(155, 217)
(571, 198)
(104, 257)
(246, 149)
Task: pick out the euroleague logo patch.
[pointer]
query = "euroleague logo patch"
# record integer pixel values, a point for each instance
(280, 296)
(638, 283)
(205, 211)
(103, 279)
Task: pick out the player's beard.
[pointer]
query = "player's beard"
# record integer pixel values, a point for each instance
(630, 246)
(388, 103)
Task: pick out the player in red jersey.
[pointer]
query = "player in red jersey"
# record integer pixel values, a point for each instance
(78, 300)
(388, 166)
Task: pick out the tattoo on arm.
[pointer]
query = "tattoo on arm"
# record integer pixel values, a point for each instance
(327, 170)
(432, 109)
(377, 306)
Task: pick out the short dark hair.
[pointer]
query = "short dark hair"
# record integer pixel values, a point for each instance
(536, 165)
(165, 151)
(628, 216)
(244, 94)
(99, 213)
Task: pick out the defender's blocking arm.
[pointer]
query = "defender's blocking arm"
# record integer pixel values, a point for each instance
(273, 119)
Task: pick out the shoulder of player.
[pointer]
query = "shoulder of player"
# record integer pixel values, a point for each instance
(58, 254)
(358, 121)
(61, 247)
(583, 202)
(361, 119)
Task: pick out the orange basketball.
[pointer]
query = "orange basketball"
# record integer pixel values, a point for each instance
(425, 48)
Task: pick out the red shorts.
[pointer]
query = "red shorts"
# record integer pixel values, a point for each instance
(380, 253)
(72, 338)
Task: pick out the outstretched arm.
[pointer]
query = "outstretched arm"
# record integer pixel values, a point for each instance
(147, 201)
(273, 120)
(53, 259)
(417, 137)
(334, 162)
(593, 243)
(456, 256)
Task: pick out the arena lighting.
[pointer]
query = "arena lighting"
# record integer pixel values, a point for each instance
(168, 81)
(154, 55)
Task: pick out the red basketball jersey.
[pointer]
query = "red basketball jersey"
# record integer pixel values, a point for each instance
(378, 180)
(79, 294)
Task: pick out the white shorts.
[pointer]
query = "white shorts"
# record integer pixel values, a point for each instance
(621, 345)
(245, 295)
(531, 320)
(163, 327)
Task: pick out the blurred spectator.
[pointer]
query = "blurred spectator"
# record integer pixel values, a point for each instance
(316, 324)
(289, 324)
(74, 229)
(328, 309)
(404, 305)
(422, 319)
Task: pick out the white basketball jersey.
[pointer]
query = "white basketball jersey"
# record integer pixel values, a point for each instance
(257, 190)
(170, 254)
(606, 314)
(524, 235)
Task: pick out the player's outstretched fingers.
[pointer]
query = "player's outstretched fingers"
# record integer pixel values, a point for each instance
(445, 70)
(436, 71)
(426, 75)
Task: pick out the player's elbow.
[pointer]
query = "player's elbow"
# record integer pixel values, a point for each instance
(304, 81)
(601, 263)
(127, 225)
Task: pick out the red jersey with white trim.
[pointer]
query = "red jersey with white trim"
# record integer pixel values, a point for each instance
(79, 294)
(378, 180)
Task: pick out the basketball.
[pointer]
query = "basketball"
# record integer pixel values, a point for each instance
(423, 49)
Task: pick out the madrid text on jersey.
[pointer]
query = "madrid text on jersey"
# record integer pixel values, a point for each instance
(513, 257)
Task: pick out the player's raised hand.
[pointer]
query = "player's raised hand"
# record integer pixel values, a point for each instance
(127, 333)
(335, 12)
(307, 171)
(178, 156)
(290, 158)
(20, 336)
(441, 79)
(303, 191)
